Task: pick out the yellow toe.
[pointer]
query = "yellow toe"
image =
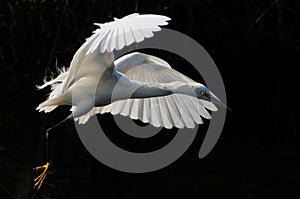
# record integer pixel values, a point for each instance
(40, 179)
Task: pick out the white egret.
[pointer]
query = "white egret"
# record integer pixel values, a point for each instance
(137, 85)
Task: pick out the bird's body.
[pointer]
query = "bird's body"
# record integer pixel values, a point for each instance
(95, 91)
(137, 85)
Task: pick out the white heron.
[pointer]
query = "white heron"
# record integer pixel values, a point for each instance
(137, 85)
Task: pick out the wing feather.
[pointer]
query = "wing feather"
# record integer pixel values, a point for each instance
(134, 109)
(176, 118)
(184, 112)
(146, 111)
(117, 107)
(133, 28)
(110, 36)
(155, 115)
(164, 111)
(126, 108)
(121, 38)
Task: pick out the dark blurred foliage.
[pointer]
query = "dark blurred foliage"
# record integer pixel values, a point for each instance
(255, 44)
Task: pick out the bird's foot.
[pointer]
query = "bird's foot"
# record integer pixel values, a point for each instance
(40, 179)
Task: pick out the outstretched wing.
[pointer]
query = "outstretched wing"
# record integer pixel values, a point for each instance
(96, 52)
(174, 110)
(125, 31)
(148, 68)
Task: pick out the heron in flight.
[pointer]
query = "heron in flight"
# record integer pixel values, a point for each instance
(137, 85)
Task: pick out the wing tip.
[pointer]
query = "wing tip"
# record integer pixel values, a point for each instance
(158, 20)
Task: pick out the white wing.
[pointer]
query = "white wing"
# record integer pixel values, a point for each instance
(168, 111)
(125, 31)
(110, 36)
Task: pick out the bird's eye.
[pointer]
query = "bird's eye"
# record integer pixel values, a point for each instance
(203, 93)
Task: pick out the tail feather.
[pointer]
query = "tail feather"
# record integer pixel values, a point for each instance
(51, 104)
(56, 97)
(48, 109)
(63, 74)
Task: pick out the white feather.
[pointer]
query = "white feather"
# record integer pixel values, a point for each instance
(133, 28)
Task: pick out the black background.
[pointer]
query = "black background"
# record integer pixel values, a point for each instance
(256, 46)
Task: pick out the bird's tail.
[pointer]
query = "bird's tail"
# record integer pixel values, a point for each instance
(55, 97)
(50, 104)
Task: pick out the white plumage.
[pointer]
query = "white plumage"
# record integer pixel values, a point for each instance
(137, 85)
(125, 31)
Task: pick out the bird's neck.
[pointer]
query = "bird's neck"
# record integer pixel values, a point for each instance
(181, 88)
(162, 89)
(126, 88)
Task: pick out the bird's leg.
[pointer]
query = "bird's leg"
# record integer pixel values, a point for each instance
(40, 179)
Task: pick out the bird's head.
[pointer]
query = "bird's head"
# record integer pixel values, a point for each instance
(204, 93)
